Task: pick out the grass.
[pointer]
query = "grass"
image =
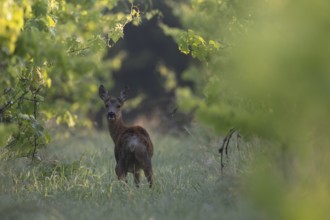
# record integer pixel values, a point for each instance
(76, 180)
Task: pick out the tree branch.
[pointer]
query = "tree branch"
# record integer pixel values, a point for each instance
(11, 103)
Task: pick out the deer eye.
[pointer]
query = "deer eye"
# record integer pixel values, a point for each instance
(118, 106)
(106, 105)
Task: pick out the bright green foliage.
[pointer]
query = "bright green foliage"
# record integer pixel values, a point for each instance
(272, 80)
(52, 51)
(249, 82)
(11, 23)
(227, 20)
(191, 43)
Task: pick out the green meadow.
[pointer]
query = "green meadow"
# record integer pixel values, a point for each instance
(77, 181)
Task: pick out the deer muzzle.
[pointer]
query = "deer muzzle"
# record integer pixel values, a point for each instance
(111, 116)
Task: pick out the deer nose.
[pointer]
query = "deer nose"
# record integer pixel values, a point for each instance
(111, 115)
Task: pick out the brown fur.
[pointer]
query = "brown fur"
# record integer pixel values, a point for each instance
(133, 146)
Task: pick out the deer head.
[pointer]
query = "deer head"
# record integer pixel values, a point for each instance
(113, 105)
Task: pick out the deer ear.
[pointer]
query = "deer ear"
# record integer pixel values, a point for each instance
(103, 93)
(123, 95)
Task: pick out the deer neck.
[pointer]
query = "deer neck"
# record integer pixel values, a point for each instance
(116, 128)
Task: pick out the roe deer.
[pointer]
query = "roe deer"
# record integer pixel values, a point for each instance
(133, 146)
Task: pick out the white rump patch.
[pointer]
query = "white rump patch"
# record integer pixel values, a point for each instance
(133, 143)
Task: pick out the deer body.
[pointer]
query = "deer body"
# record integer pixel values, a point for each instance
(133, 147)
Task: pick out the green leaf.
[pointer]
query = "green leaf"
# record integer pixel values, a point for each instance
(39, 8)
(215, 44)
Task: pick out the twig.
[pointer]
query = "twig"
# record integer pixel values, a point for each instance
(172, 113)
(238, 138)
(35, 118)
(224, 146)
(78, 50)
(185, 127)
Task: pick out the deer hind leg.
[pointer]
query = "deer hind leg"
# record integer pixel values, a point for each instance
(148, 172)
(121, 174)
(145, 162)
(136, 178)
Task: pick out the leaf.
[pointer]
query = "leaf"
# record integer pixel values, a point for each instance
(39, 8)
(50, 21)
(67, 118)
(40, 98)
(24, 117)
(150, 14)
(184, 48)
(215, 44)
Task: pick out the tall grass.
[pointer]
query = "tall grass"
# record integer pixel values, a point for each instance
(76, 180)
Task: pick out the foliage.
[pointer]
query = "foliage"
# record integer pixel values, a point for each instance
(52, 51)
(11, 23)
(272, 80)
(191, 43)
